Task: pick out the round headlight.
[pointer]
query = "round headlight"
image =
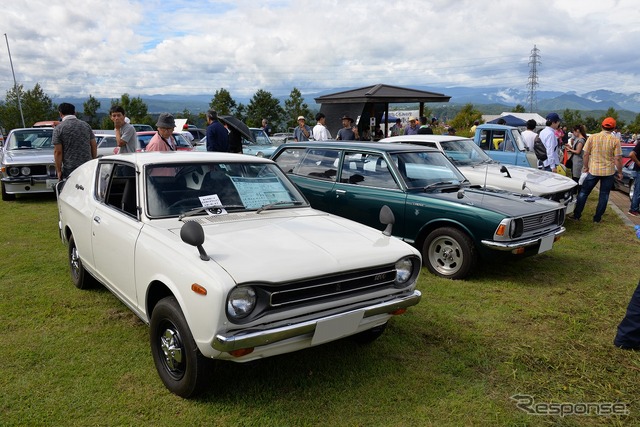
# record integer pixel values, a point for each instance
(14, 171)
(404, 271)
(25, 170)
(241, 302)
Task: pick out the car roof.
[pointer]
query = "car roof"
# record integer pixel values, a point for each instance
(495, 126)
(162, 157)
(357, 145)
(424, 138)
(33, 129)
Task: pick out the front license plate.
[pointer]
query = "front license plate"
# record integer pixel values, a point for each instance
(571, 206)
(337, 327)
(546, 243)
(51, 183)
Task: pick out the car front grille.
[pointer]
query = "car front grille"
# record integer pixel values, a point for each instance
(330, 287)
(537, 222)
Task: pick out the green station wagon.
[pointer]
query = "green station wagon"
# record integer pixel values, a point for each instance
(435, 208)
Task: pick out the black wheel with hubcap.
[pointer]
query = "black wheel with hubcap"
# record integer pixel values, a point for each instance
(79, 276)
(181, 366)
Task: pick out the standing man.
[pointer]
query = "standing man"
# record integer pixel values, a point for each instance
(424, 128)
(320, 131)
(126, 136)
(529, 136)
(217, 134)
(348, 131)
(266, 127)
(635, 201)
(396, 130)
(412, 129)
(302, 132)
(550, 141)
(73, 141)
(602, 158)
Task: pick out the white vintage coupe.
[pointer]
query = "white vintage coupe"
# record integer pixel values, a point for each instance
(484, 172)
(224, 259)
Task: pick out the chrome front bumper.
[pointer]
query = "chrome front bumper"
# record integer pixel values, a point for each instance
(249, 339)
(509, 246)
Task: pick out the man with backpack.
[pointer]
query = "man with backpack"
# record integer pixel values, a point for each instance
(548, 137)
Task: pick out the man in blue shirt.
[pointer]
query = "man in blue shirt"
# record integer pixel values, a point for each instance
(217, 134)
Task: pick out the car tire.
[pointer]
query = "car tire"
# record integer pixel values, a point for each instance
(79, 276)
(181, 366)
(5, 196)
(370, 335)
(448, 252)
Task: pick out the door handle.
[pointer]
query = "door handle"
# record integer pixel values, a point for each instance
(96, 219)
(340, 193)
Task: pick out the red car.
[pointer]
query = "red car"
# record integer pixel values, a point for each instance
(626, 151)
(181, 141)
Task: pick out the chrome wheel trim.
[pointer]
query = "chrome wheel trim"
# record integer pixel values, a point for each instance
(172, 350)
(445, 255)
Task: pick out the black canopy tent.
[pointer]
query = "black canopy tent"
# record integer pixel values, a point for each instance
(371, 101)
(510, 121)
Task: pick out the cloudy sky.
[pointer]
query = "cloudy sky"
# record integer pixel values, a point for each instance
(146, 47)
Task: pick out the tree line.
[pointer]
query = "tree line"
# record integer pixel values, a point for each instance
(38, 106)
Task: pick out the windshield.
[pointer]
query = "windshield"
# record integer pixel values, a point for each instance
(517, 137)
(465, 152)
(217, 188)
(260, 136)
(422, 169)
(29, 139)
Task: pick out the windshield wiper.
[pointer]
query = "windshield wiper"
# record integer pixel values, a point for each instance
(272, 205)
(201, 209)
(436, 184)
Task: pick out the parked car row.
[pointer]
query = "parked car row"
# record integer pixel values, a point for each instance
(27, 164)
(262, 146)
(453, 224)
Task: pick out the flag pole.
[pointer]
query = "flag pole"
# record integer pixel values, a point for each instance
(15, 84)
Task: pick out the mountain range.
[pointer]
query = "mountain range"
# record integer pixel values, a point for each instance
(599, 100)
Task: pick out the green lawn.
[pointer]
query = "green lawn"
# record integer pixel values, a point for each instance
(541, 327)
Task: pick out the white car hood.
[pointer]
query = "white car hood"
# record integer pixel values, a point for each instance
(28, 156)
(539, 182)
(275, 246)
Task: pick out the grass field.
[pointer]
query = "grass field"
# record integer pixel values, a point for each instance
(540, 327)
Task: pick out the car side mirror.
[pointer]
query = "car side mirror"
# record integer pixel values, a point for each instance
(504, 169)
(193, 234)
(387, 218)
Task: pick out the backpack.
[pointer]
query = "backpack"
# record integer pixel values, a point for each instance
(539, 149)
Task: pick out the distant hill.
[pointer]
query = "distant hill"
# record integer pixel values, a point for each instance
(491, 100)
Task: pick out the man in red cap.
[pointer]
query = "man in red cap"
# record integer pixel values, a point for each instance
(602, 160)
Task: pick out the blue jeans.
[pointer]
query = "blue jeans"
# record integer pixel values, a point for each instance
(606, 184)
(635, 202)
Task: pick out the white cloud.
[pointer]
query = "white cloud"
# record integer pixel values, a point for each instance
(82, 47)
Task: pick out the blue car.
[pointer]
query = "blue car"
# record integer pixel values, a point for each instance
(505, 144)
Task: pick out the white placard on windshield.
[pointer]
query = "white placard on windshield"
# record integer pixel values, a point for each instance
(257, 192)
(210, 201)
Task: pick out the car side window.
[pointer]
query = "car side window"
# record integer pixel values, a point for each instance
(104, 177)
(319, 163)
(366, 169)
(121, 189)
(289, 159)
